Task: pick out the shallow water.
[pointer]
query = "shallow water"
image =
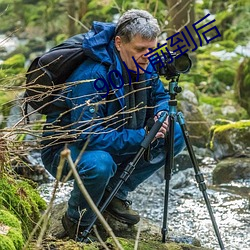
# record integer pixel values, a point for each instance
(187, 212)
(188, 215)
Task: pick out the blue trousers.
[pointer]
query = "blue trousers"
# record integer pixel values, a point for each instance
(100, 170)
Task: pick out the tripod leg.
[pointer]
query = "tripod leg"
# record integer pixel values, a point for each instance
(168, 173)
(129, 168)
(199, 176)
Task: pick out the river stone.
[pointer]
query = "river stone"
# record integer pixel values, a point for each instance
(197, 125)
(231, 139)
(231, 169)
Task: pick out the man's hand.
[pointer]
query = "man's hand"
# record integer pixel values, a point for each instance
(164, 128)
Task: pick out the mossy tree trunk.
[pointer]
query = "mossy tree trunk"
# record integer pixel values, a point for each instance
(242, 85)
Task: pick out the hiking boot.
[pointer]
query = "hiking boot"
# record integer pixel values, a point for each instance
(121, 211)
(75, 231)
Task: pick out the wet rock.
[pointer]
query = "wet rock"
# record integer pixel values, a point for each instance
(31, 167)
(197, 125)
(181, 179)
(231, 169)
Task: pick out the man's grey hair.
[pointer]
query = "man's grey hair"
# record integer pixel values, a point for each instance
(137, 22)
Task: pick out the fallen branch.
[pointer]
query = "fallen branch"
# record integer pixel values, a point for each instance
(66, 154)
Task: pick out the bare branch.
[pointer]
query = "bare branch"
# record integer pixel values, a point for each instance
(66, 154)
(79, 22)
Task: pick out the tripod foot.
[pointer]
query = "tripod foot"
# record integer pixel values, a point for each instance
(164, 232)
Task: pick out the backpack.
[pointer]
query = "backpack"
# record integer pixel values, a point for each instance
(47, 74)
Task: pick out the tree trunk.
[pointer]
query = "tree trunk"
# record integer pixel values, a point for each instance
(181, 14)
(72, 13)
(83, 7)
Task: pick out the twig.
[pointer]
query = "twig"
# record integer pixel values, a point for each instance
(66, 154)
(99, 238)
(45, 217)
(137, 236)
(77, 21)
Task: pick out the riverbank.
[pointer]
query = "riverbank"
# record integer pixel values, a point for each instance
(188, 215)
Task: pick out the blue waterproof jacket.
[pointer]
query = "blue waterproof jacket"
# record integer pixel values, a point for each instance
(91, 117)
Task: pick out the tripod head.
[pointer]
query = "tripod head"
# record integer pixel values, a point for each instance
(174, 89)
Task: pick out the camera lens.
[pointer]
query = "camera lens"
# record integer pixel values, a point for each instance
(182, 64)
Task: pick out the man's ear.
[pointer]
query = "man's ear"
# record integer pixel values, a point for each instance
(118, 43)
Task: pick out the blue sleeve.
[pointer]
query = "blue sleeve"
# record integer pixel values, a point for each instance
(88, 117)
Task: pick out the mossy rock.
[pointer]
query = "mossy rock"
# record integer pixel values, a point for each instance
(128, 244)
(219, 107)
(150, 235)
(10, 231)
(22, 200)
(232, 139)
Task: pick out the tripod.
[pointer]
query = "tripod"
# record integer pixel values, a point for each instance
(173, 90)
(129, 168)
(169, 163)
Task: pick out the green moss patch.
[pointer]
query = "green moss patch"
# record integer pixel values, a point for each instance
(22, 200)
(10, 231)
(128, 244)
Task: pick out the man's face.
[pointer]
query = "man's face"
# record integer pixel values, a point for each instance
(136, 48)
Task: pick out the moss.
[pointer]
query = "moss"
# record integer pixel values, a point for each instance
(221, 132)
(9, 219)
(22, 200)
(220, 103)
(6, 96)
(6, 243)
(16, 237)
(16, 61)
(229, 45)
(224, 75)
(13, 71)
(236, 125)
(13, 66)
(128, 244)
(214, 101)
(13, 239)
(65, 245)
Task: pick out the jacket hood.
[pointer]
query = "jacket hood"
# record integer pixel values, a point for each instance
(98, 42)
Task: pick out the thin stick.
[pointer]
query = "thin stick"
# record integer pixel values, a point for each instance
(137, 236)
(45, 217)
(99, 238)
(66, 154)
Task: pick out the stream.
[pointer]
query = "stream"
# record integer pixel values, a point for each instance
(187, 212)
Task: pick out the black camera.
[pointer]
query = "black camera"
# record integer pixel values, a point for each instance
(174, 65)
